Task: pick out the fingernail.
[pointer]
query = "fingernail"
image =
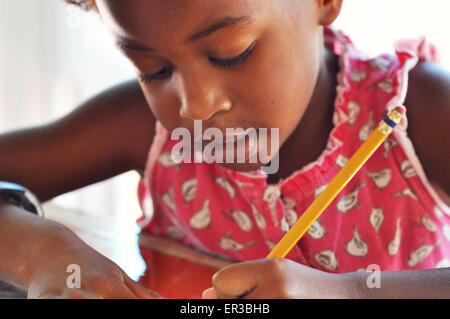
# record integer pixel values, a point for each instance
(209, 293)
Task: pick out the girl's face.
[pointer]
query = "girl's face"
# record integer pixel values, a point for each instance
(234, 63)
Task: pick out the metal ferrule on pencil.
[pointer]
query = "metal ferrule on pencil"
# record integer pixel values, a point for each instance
(390, 122)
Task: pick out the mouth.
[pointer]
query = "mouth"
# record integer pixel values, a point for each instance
(232, 145)
(234, 148)
(227, 138)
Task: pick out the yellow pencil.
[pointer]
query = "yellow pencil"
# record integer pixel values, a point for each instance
(338, 183)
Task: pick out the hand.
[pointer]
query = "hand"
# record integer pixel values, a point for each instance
(276, 278)
(99, 276)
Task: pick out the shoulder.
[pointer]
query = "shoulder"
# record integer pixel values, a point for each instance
(428, 112)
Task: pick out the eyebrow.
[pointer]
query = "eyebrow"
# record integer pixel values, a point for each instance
(225, 22)
(218, 25)
(130, 45)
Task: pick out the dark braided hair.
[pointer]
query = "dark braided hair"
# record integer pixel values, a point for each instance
(83, 4)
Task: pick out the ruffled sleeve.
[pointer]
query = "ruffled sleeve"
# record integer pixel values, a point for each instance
(424, 50)
(420, 50)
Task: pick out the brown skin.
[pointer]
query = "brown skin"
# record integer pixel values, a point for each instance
(297, 97)
(287, 56)
(39, 260)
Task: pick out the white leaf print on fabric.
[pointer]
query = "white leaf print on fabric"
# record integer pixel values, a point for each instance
(316, 231)
(428, 223)
(353, 111)
(408, 170)
(319, 190)
(270, 244)
(346, 203)
(386, 85)
(419, 254)
(189, 190)
(327, 259)
(241, 219)
(376, 218)
(394, 244)
(406, 192)
(367, 129)
(388, 145)
(270, 196)
(357, 246)
(226, 185)
(167, 199)
(358, 76)
(227, 243)
(380, 179)
(341, 160)
(291, 214)
(166, 160)
(202, 218)
(284, 225)
(259, 218)
(380, 63)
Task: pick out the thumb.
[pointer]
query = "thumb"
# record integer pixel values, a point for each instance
(237, 280)
(140, 291)
(209, 293)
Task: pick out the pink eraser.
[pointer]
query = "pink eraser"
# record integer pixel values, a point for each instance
(400, 109)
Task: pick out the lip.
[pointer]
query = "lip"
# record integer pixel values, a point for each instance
(238, 144)
(227, 138)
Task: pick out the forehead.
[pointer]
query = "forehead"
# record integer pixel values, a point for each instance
(148, 20)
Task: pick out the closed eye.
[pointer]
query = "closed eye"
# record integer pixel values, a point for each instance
(159, 76)
(223, 63)
(229, 63)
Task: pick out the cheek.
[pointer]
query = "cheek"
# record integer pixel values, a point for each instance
(165, 106)
(280, 84)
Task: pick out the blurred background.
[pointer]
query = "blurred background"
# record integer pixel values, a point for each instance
(54, 56)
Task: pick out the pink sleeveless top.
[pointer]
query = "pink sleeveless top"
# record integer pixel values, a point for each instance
(387, 215)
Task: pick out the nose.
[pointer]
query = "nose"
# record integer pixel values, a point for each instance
(202, 98)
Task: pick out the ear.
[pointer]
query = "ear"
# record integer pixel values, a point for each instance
(328, 11)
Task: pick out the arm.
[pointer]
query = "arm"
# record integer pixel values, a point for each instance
(35, 254)
(106, 136)
(428, 105)
(425, 283)
(284, 278)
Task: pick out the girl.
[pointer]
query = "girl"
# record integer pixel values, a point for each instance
(248, 64)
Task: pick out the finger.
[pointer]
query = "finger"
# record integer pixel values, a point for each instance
(80, 294)
(122, 292)
(69, 294)
(140, 291)
(117, 290)
(238, 280)
(209, 293)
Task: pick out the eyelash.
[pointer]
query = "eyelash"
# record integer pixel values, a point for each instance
(157, 76)
(229, 63)
(226, 64)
